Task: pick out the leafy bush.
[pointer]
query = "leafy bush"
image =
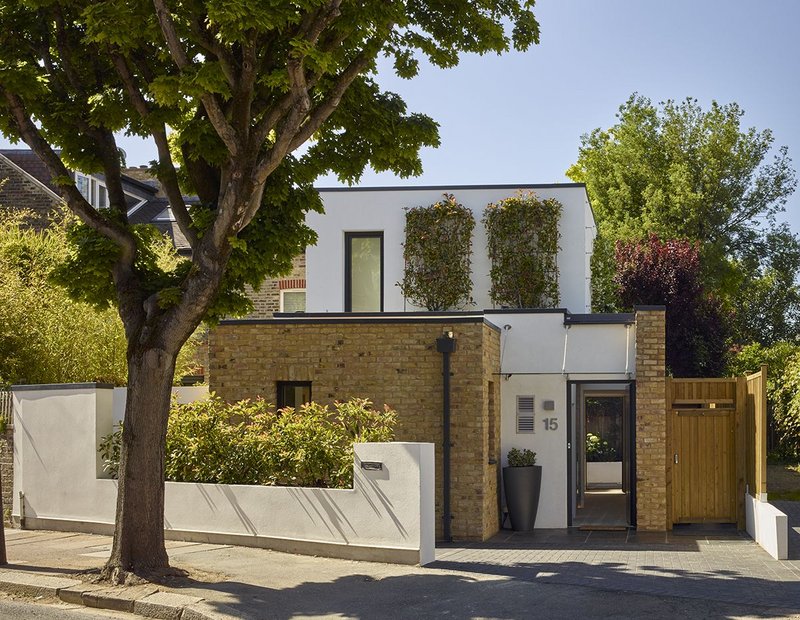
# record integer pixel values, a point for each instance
(521, 458)
(109, 450)
(599, 450)
(250, 443)
(437, 250)
(45, 336)
(783, 390)
(523, 248)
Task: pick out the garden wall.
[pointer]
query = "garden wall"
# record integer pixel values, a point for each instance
(387, 515)
(389, 359)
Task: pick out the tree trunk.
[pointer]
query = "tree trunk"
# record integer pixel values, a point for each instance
(138, 549)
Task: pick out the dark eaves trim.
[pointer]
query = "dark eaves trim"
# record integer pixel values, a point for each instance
(366, 318)
(649, 308)
(526, 311)
(621, 318)
(61, 386)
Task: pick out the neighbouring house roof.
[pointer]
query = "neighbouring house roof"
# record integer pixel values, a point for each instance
(29, 161)
(29, 185)
(20, 189)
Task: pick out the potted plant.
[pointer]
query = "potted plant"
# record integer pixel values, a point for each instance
(522, 481)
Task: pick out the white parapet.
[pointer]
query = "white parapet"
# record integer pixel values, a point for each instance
(387, 516)
(768, 526)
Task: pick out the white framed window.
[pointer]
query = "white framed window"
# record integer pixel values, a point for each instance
(83, 185)
(293, 300)
(92, 190)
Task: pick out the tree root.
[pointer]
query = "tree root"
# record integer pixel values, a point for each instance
(118, 576)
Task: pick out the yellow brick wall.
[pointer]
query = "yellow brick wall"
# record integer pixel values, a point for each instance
(388, 362)
(651, 422)
(267, 300)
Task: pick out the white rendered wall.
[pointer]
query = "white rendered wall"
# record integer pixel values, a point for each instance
(387, 516)
(768, 526)
(383, 210)
(183, 394)
(534, 343)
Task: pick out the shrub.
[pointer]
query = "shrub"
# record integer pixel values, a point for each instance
(598, 450)
(521, 458)
(523, 248)
(438, 273)
(45, 336)
(783, 390)
(250, 443)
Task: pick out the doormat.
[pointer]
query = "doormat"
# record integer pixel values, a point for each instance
(603, 528)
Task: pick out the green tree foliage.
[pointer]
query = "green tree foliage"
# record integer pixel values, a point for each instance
(523, 249)
(783, 388)
(437, 251)
(45, 336)
(655, 272)
(243, 86)
(250, 443)
(682, 172)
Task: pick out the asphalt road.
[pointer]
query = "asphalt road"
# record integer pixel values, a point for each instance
(18, 609)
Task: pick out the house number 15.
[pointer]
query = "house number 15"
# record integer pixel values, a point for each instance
(550, 424)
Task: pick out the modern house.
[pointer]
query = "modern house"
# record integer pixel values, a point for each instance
(525, 378)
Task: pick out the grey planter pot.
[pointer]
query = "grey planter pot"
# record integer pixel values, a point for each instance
(522, 486)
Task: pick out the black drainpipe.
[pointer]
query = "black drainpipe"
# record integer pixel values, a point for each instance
(446, 345)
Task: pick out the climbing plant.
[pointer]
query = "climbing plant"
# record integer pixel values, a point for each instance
(523, 250)
(437, 251)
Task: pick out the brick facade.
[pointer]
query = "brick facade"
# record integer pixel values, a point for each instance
(7, 466)
(267, 300)
(651, 421)
(393, 362)
(19, 191)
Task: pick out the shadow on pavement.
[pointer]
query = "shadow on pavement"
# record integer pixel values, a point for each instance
(525, 590)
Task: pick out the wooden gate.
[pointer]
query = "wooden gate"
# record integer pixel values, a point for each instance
(707, 455)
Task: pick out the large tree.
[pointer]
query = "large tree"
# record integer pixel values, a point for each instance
(656, 272)
(241, 86)
(682, 172)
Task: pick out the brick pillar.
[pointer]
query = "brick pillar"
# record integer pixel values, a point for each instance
(651, 420)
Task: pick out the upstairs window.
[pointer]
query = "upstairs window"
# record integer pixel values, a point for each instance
(363, 275)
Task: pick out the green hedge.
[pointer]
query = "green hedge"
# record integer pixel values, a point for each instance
(250, 443)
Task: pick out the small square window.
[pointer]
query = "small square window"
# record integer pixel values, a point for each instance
(293, 393)
(293, 300)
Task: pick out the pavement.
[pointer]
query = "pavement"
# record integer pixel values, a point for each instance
(548, 574)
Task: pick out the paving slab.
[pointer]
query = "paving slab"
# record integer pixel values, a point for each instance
(32, 584)
(118, 599)
(164, 605)
(74, 594)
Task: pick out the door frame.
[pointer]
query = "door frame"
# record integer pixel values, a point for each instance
(631, 443)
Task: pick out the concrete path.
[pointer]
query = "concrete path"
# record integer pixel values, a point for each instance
(552, 574)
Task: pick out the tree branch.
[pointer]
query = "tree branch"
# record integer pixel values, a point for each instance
(210, 102)
(76, 202)
(166, 170)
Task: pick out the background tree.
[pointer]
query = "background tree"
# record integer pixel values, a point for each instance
(437, 250)
(242, 85)
(655, 272)
(682, 172)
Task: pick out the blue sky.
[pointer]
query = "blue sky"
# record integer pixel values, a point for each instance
(518, 118)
